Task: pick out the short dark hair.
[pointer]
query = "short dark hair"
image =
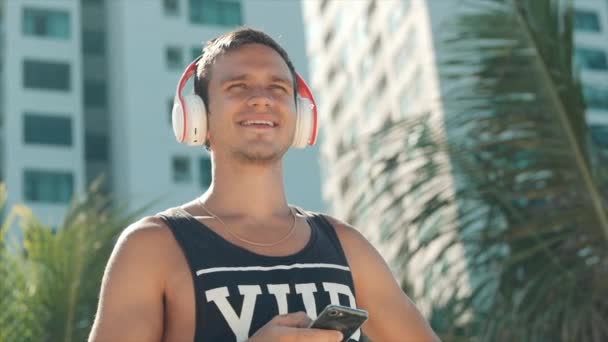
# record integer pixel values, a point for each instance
(229, 41)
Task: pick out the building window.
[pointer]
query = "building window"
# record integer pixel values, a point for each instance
(93, 43)
(170, 109)
(596, 98)
(205, 172)
(591, 59)
(181, 169)
(48, 186)
(46, 23)
(331, 74)
(216, 12)
(371, 9)
(171, 7)
(599, 135)
(174, 57)
(323, 5)
(381, 86)
(336, 110)
(586, 21)
(48, 130)
(96, 147)
(46, 75)
(195, 52)
(329, 36)
(95, 94)
(405, 51)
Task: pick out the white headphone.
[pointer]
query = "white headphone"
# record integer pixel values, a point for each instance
(189, 115)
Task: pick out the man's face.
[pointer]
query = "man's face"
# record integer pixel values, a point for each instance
(251, 105)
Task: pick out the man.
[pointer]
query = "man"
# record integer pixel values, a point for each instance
(239, 263)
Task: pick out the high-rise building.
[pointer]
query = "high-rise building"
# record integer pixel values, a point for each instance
(375, 62)
(87, 88)
(591, 39)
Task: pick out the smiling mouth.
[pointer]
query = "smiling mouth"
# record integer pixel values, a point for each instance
(258, 124)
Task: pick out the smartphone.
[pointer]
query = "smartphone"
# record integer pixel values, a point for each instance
(342, 318)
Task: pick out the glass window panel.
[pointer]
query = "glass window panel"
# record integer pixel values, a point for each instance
(323, 5)
(171, 7)
(93, 42)
(211, 12)
(170, 109)
(195, 52)
(95, 94)
(591, 59)
(599, 134)
(46, 23)
(231, 14)
(336, 111)
(596, 98)
(46, 75)
(586, 21)
(215, 12)
(181, 169)
(45, 129)
(48, 186)
(196, 11)
(96, 147)
(205, 172)
(174, 57)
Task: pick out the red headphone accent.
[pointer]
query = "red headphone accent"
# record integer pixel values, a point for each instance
(190, 70)
(304, 91)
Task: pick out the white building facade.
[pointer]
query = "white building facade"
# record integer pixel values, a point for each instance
(87, 88)
(591, 39)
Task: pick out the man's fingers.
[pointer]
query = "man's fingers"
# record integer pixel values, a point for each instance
(318, 335)
(294, 320)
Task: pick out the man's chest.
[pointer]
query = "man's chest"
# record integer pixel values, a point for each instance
(239, 300)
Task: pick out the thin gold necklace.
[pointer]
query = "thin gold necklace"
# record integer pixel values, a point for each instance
(253, 243)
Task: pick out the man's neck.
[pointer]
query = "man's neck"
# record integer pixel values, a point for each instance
(253, 191)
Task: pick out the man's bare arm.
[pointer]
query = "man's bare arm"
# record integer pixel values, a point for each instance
(392, 315)
(131, 299)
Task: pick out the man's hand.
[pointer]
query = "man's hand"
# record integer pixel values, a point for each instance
(293, 328)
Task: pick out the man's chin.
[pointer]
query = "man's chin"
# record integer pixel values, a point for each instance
(258, 156)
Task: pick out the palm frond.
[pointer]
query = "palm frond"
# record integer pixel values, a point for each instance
(496, 199)
(56, 274)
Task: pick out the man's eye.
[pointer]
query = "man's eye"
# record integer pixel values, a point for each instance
(238, 86)
(279, 87)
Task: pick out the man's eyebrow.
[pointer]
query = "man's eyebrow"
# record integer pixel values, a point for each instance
(233, 78)
(281, 79)
(243, 77)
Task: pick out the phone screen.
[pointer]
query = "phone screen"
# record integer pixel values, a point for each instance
(341, 318)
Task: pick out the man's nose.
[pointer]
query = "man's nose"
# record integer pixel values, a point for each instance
(260, 97)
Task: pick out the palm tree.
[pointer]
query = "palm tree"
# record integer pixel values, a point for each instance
(505, 199)
(50, 280)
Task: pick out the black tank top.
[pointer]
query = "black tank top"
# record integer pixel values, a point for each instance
(238, 291)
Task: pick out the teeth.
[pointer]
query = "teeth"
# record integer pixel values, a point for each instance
(258, 122)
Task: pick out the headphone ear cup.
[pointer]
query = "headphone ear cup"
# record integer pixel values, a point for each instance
(304, 123)
(190, 123)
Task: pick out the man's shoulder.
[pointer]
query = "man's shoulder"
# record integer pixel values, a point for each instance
(145, 227)
(150, 227)
(147, 233)
(346, 232)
